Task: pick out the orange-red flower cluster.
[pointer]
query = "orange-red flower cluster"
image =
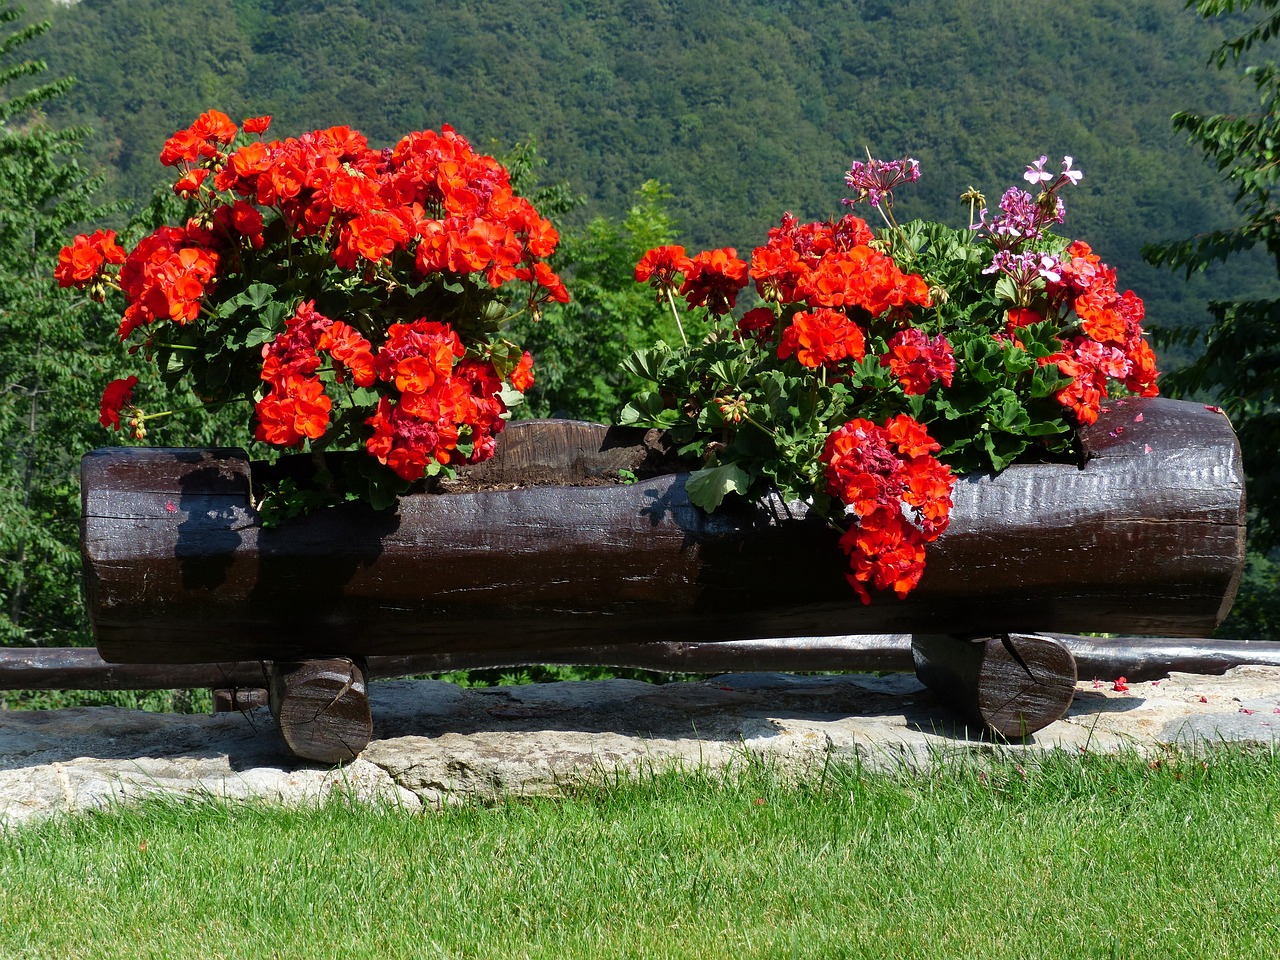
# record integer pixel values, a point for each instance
(794, 250)
(431, 196)
(296, 406)
(437, 397)
(883, 474)
(823, 338)
(165, 277)
(86, 260)
(446, 399)
(862, 277)
(832, 265)
(427, 224)
(917, 361)
(758, 324)
(1112, 346)
(713, 280)
(659, 266)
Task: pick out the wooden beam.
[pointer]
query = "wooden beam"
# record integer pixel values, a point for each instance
(1148, 538)
(82, 668)
(1136, 658)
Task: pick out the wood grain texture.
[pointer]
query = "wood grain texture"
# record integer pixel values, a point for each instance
(1147, 539)
(82, 668)
(1011, 685)
(321, 708)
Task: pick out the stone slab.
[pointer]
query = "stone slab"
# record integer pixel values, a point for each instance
(435, 743)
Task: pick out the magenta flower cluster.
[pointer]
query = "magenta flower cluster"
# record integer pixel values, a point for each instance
(875, 179)
(1024, 218)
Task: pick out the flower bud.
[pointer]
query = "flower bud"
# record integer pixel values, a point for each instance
(733, 409)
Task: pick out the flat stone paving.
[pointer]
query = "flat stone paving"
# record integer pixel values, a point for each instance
(436, 743)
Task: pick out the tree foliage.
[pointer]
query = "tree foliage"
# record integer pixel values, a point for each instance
(580, 346)
(744, 110)
(1240, 360)
(49, 361)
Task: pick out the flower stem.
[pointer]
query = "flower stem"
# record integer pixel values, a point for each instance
(676, 313)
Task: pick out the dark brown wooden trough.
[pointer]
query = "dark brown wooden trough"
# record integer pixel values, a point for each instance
(1147, 538)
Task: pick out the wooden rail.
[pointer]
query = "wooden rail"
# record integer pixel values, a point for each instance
(1135, 658)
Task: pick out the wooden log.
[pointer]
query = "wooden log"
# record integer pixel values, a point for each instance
(1147, 538)
(1010, 685)
(321, 708)
(240, 699)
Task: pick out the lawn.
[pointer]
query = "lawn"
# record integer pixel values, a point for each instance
(1057, 856)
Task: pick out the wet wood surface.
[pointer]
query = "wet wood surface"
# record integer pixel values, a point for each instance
(1148, 538)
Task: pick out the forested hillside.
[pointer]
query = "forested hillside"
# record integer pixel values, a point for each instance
(745, 110)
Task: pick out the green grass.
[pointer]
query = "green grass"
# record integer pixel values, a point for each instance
(1069, 856)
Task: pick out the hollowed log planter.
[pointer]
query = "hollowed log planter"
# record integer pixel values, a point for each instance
(1146, 538)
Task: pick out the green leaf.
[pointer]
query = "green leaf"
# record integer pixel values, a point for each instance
(258, 336)
(1046, 428)
(381, 487)
(708, 487)
(648, 410)
(649, 364)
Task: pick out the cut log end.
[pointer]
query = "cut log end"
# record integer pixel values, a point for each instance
(1011, 685)
(321, 708)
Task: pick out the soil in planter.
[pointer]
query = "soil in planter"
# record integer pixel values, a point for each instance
(530, 453)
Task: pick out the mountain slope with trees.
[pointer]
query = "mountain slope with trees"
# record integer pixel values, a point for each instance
(744, 110)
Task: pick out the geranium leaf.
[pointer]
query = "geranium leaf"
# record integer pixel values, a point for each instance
(707, 488)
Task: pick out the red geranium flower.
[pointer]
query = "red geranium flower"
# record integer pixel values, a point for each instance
(117, 396)
(659, 266)
(713, 280)
(917, 361)
(86, 258)
(522, 375)
(822, 338)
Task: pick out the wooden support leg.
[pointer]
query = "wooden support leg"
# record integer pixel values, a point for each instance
(321, 707)
(1012, 684)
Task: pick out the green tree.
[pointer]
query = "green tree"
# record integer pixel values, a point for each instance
(579, 347)
(50, 371)
(1240, 360)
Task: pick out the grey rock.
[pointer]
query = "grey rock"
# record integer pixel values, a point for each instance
(435, 743)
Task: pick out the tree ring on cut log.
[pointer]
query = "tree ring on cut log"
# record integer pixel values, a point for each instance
(1011, 685)
(321, 707)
